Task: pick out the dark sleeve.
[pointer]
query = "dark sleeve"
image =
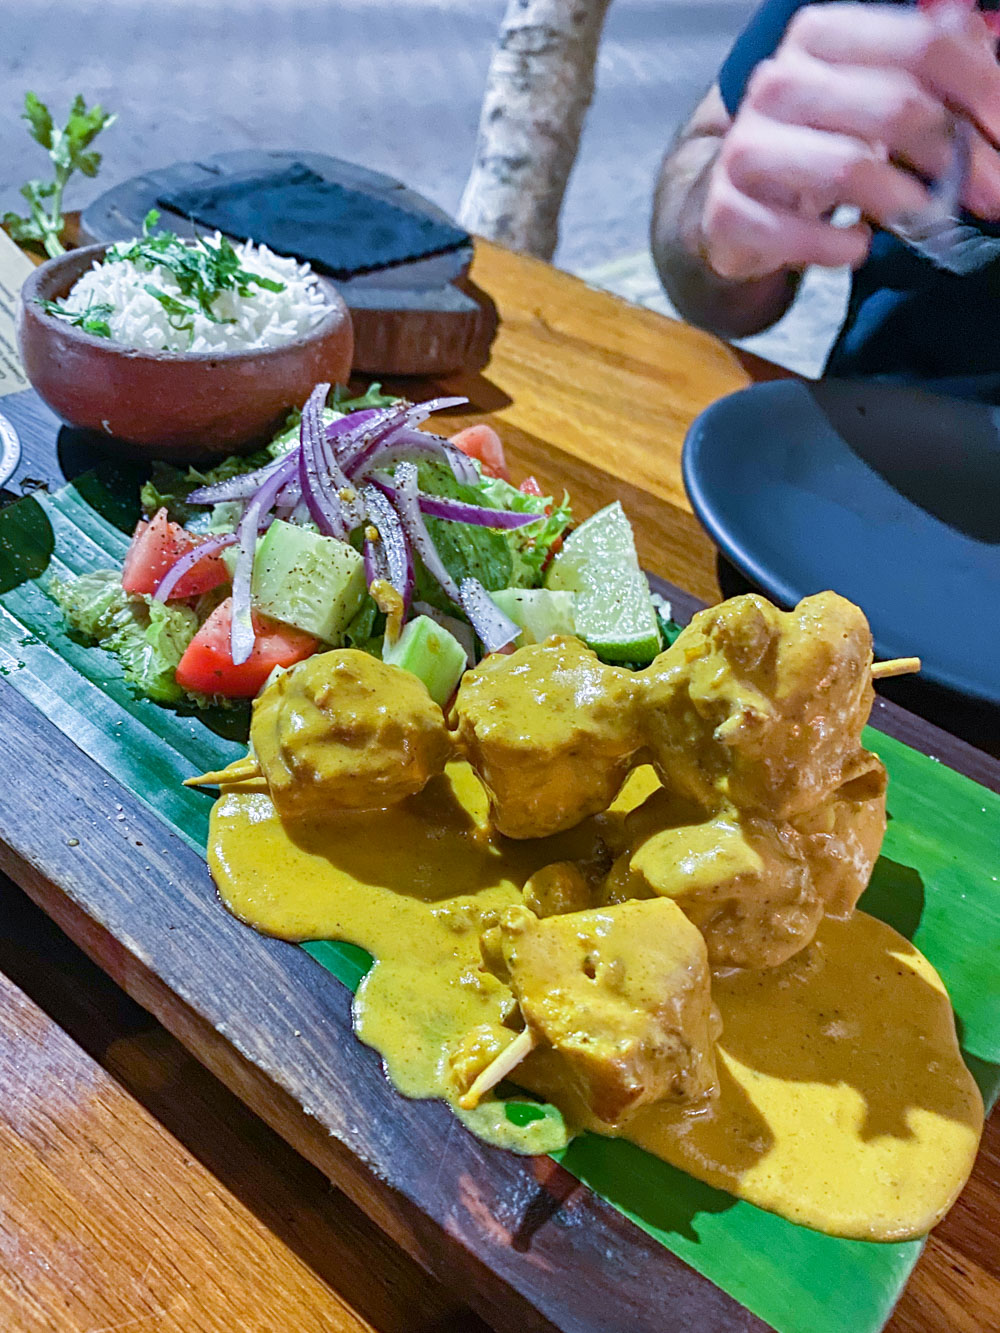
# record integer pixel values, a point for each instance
(758, 40)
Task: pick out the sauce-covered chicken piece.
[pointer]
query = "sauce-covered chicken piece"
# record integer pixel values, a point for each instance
(756, 888)
(551, 732)
(742, 880)
(556, 889)
(620, 995)
(842, 836)
(343, 730)
(759, 707)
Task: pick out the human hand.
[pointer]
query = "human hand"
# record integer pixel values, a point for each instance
(857, 105)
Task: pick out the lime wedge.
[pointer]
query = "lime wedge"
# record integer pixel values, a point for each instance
(539, 611)
(614, 611)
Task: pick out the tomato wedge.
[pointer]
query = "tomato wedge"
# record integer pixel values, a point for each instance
(156, 545)
(207, 666)
(530, 486)
(483, 443)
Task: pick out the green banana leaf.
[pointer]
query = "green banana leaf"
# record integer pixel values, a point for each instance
(936, 883)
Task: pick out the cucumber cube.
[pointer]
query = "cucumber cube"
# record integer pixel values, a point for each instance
(430, 652)
(312, 582)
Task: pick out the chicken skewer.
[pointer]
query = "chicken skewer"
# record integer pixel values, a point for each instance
(248, 769)
(616, 999)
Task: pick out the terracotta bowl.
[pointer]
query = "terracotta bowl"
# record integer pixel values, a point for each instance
(169, 404)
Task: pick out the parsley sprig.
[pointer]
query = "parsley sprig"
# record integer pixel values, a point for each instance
(202, 272)
(69, 150)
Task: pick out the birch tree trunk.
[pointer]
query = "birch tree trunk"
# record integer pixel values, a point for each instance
(540, 84)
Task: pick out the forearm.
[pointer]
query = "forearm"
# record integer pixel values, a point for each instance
(733, 309)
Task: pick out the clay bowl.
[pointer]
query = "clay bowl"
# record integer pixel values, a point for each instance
(172, 405)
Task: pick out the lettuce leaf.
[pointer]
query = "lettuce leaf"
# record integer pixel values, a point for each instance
(366, 629)
(531, 545)
(147, 637)
(169, 486)
(467, 551)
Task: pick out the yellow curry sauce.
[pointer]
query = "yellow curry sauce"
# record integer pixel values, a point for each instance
(844, 1101)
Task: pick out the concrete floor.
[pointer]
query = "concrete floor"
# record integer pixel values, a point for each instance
(395, 84)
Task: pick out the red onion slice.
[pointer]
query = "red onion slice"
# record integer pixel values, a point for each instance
(336, 484)
(320, 495)
(406, 501)
(392, 549)
(358, 443)
(242, 635)
(236, 488)
(187, 561)
(405, 418)
(288, 497)
(352, 434)
(376, 565)
(350, 424)
(421, 411)
(457, 511)
(408, 443)
(495, 629)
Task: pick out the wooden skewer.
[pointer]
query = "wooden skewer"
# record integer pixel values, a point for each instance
(497, 1070)
(895, 666)
(241, 770)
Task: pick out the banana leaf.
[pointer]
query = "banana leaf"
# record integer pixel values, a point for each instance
(936, 882)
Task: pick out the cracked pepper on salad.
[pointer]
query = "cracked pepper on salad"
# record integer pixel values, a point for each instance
(356, 528)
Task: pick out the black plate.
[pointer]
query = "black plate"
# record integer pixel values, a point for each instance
(888, 495)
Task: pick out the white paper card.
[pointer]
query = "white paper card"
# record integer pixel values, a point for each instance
(14, 268)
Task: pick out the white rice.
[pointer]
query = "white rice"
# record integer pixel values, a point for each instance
(262, 319)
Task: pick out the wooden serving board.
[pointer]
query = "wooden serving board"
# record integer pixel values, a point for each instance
(527, 1245)
(423, 317)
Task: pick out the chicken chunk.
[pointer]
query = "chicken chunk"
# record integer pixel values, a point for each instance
(343, 730)
(557, 889)
(759, 707)
(841, 838)
(551, 731)
(756, 888)
(621, 996)
(741, 879)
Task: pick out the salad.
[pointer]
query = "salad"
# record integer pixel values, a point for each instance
(357, 528)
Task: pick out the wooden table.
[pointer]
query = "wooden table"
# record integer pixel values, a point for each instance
(136, 1191)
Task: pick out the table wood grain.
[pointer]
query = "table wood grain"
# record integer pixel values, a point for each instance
(108, 1223)
(595, 395)
(212, 1168)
